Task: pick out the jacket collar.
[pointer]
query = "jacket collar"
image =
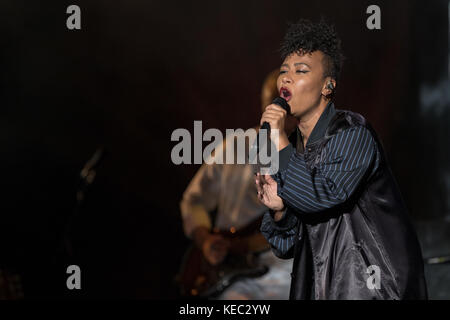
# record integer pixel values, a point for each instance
(321, 126)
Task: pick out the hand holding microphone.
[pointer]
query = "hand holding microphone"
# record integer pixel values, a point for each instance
(274, 117)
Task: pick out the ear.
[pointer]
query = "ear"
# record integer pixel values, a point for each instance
(328, 87)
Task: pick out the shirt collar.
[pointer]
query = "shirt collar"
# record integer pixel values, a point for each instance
(322, 124)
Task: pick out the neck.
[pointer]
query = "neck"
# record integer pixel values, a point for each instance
(308, 121)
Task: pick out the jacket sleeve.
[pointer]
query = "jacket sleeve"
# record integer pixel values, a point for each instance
(281, 234)
(349, 155)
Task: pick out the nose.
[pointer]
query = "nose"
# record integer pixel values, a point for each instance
(286, 79)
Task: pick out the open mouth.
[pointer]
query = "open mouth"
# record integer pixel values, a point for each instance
(285, 94)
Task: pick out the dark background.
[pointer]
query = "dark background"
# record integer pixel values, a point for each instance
(136, 71)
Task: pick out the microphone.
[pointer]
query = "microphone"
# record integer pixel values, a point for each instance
(279, 101)
(266, 126)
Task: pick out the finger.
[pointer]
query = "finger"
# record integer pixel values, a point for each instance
(275, 120)
(268, 118)
(258, 187)
(269, 191)
(266, 199)
(269, 180)
(273, 115)
(262, 180)
(266, 189)
(275, 110)
(258, 182)
(259, 191)
(280, 112)
(275, 107)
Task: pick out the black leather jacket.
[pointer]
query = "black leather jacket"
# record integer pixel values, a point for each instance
(334, 249)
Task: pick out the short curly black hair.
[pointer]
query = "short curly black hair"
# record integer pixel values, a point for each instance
(306, 36)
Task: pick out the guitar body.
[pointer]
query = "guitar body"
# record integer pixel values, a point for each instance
(198, 278)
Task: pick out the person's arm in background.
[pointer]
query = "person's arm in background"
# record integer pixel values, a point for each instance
(200, 198)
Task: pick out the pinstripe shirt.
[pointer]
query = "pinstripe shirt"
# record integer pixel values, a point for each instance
(345, 160)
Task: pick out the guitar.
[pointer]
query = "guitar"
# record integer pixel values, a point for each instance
(198, 278)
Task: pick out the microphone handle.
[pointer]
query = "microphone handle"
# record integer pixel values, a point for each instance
(265, 126)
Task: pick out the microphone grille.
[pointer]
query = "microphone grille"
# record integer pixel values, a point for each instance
(282, 103)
